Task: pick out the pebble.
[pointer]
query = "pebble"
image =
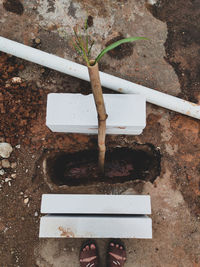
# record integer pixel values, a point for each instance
(16, 80)
(5, 163)
(26, 200)
(9, 183)
(37, 40)
(13, 165)
(26, 170)
(5, 150)
(17, 146)
(36, 214)
(7, 180)
(13, 175)
(21, 193)
(2, 172)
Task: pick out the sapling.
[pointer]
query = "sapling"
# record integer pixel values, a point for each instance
(83, 46)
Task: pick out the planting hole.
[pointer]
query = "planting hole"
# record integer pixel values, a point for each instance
(121, 165)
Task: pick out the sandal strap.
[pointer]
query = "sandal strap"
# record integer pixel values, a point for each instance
(92, 263)
(114, 261)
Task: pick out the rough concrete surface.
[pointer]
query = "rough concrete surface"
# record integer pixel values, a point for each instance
(167, 62)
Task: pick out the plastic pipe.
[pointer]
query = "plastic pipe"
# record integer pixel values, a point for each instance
(107, 80)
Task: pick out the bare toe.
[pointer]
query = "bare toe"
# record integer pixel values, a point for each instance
(92, 246)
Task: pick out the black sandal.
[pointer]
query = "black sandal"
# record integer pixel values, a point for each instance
(87, 254)
(116, 255)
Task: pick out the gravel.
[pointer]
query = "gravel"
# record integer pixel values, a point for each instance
(5, 150)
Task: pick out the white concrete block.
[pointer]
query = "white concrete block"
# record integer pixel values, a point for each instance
(95, 226)
(95, 204)
(76, 113)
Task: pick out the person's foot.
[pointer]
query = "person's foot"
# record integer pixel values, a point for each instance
(88, 255)
(116, 254)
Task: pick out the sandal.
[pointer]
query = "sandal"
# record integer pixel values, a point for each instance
(116, 255)
(88, 255)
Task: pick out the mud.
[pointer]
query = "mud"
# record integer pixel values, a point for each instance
(122, 51)
(121, 165)
(14, 6)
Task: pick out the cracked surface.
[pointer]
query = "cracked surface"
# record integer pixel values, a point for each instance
(168, 62)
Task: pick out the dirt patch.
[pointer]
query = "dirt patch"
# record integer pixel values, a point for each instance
(19, 101)
(122, 165)
(51, 6)
(14, 6)
(122, 51)
(183, 40)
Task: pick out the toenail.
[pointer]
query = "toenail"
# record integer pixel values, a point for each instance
(117, 245)
(87, 247)
(112, 244)
(121, 247)
(84, 249)
(92, 246)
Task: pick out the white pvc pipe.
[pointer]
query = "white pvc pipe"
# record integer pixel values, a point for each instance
(107, 80)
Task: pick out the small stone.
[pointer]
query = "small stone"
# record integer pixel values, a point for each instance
(13, 165)
(9, 183)
(21, 193)
(13, 175)
(37, 40)
(7, 180)
(16, 80)
(2, 227)
(26, 200)
(42, 70)
(5, 163)
(17, 146)
(5, 150)
(22, 218)
(36, 214)
(26, 170)
(2, 172)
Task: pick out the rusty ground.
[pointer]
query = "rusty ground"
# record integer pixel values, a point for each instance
(167, 62)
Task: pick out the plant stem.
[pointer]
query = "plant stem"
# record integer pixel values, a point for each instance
(101, 111)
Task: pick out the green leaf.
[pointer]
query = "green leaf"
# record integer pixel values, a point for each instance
(86, 24)
(114, 45)
(77, 49)
(90, 48)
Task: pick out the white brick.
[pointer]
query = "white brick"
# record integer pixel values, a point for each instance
(76, 113)
(95, 227)
(95, 204)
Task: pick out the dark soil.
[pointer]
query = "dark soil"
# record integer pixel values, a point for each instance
(122, 51)
(121, 165)
(14, 6)
(183, 42)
